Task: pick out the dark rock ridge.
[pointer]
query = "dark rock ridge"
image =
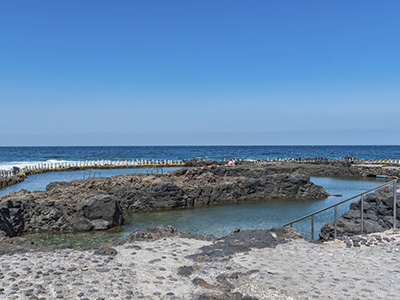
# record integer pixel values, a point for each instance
(7, 181)
(324, 169)
(58, 210)
(243, 240)
(195, 187)
(378, 216)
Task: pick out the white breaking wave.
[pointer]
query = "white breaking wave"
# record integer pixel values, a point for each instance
(21, 164)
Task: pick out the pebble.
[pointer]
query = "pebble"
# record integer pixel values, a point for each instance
(102, 269)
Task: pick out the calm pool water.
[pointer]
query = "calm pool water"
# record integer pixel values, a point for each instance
(221, 219)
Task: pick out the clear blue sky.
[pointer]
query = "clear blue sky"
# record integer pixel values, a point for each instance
(199, 72)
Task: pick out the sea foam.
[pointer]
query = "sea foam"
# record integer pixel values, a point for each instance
(6, 166)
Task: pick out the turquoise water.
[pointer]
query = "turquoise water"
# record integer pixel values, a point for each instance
(221, 219)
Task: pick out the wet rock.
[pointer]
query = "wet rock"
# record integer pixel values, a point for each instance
(243, 241)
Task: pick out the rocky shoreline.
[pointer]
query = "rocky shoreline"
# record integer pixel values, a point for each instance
(7, 181)
(319, 167)
(98, 203)
(378, 216)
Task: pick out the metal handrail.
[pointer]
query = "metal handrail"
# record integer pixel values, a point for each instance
(394, 182)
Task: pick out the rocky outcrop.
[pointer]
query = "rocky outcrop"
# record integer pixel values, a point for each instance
(196, 187)
(10, 180)
(323, 169)
(378, 216)
(58, 210)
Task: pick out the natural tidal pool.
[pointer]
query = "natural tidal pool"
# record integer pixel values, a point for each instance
(220, 220)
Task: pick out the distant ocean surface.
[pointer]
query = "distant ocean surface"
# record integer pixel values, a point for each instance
(23, 156)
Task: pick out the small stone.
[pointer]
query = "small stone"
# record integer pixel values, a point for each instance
(71, 269)
(154, 260)
(102, 269)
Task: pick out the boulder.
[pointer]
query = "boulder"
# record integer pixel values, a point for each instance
(11, 218)
(104, 212)
(57, 210)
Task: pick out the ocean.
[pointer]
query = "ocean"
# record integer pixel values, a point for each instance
(23, 156)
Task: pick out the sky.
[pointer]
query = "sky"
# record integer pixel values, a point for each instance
(199, 72)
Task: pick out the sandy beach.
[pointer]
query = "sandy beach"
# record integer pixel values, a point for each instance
(165, 269)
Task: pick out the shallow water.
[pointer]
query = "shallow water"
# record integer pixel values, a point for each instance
(219, 220)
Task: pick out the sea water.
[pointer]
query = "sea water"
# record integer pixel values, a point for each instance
(24, 156)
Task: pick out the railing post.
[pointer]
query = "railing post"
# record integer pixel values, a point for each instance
(335, 222)
(394, 203)
(312, 227)
(362, 214)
